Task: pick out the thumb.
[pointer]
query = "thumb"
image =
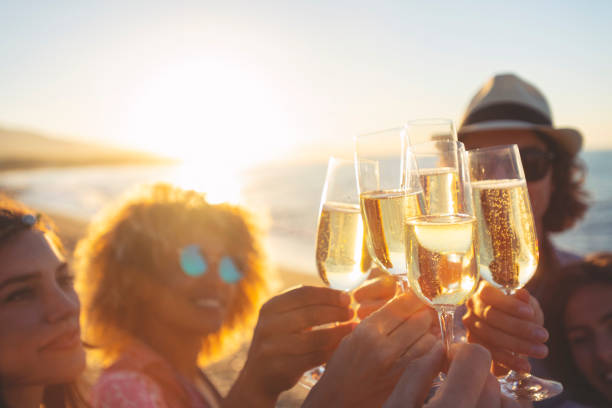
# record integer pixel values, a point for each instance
(466, 377)
(490, 395)
(415, 383)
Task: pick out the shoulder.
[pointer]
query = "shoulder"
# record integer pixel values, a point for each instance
(126, 388)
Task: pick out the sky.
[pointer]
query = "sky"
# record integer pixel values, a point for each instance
(255, 81)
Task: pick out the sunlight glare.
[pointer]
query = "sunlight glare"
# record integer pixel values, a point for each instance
(219, 186)
(208, 111)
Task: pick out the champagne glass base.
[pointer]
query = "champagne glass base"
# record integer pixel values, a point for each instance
(529, 387)
(310, 377)
(438, 381)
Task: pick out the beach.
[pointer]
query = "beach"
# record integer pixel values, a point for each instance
(285, 198)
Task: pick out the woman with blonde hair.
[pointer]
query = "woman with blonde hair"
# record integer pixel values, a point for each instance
(168, 281)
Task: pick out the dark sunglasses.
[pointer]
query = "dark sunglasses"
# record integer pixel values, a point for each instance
(536, 163)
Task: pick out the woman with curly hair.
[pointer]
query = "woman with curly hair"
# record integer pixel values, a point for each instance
(579, 319)
(168, 282)
(41, 353)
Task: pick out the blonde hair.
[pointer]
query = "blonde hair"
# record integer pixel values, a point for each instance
(132, 240)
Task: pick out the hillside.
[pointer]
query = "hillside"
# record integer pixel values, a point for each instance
(24, 149)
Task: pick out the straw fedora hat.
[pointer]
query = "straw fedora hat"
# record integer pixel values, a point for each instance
(508, 102)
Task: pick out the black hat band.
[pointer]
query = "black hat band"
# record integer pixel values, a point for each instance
(507, 111)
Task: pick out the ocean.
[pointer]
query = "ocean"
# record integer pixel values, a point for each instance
(285, 197)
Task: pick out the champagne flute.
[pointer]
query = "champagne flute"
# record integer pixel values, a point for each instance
(390, 194)
(441, 243)
(430, 130)
(342, 259)
(508, 242)
(439, 181)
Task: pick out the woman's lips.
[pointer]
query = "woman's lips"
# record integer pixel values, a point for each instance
(208, 303)
(65, 341)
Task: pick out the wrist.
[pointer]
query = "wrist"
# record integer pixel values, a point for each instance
(246, 392)
(322, 395)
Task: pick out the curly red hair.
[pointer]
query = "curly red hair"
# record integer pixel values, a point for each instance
(128, 242)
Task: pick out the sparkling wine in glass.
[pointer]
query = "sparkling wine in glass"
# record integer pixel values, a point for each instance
(442, 242)
(508, 242)
(342, 259)
(390, 194)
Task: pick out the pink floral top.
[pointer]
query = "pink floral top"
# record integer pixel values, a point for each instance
(141, 378)
(126, 388)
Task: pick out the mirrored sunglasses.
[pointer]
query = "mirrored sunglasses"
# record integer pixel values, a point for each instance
(536, 163)
(193, 263)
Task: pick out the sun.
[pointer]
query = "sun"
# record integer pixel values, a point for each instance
(216, 116)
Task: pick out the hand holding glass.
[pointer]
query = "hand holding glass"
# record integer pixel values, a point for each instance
(341, 256)
(508, 242)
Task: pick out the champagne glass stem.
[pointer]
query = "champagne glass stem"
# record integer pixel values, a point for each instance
(403, 284)
(513, 377)
(446, 316)
(354, 306)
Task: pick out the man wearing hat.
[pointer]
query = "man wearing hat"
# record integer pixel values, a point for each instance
(510, 110)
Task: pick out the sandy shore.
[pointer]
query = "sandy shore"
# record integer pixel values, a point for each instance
(223, 372)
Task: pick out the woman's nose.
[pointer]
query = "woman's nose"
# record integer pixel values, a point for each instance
(211, 277)
(61, 305)
(603, 346)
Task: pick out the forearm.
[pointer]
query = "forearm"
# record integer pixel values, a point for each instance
(323, 395)
(246, 393)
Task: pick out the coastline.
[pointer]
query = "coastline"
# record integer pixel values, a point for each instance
(7, 165)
